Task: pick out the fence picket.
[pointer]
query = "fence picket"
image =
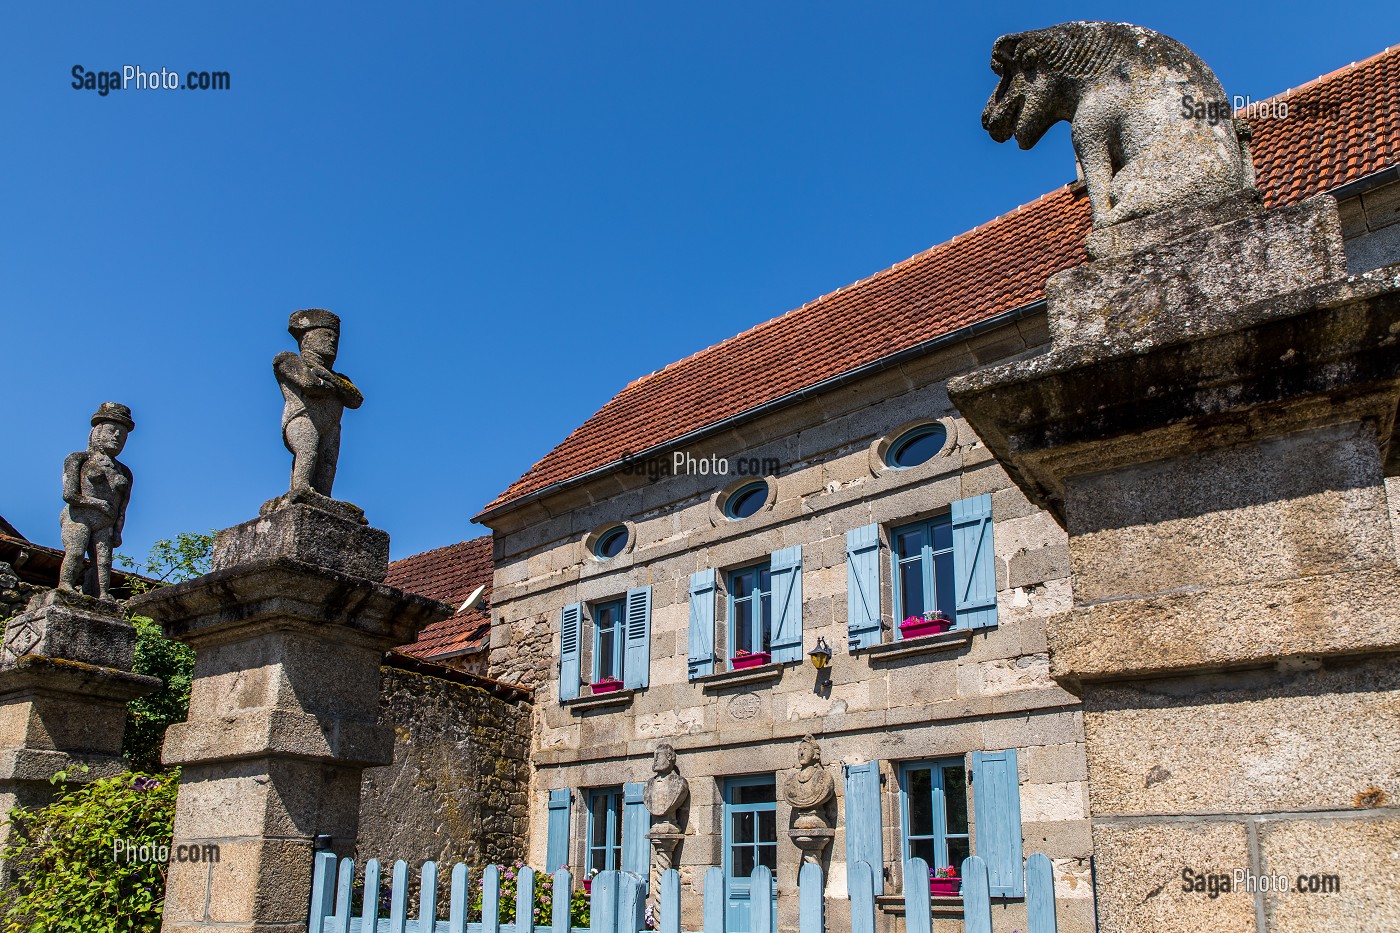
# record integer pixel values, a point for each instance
(602, 908)
(322, 891)
(525, 900)
(715, 898)
(918, 918)
(561, 899)
(977, 896)
(344, 885)
(631, 902)
(669, 903)
(457, 909)
(811, 901)
(491, 900)
(398, 899)
(761, 900)
(427, 900)
(862, 884)
(1040, 895)
(369, 907)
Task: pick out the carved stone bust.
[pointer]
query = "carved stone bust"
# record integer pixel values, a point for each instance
(666, 791)
(810, 785)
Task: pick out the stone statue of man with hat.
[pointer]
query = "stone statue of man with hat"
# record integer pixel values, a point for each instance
(96, 490)
(315, 397)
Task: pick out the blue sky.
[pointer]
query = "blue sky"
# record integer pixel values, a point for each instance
(515, 207)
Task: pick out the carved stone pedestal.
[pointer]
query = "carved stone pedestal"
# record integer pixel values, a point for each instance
(664, 839)
(1213, 427)
(812, 841)
(65, 680)
(288, 630)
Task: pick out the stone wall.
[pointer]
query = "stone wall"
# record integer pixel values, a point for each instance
(457, 788)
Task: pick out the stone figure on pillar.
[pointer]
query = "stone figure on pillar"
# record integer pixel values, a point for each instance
(808, 790)
(96, 490)
(315, 397)
(1149, 120)
(666, 790)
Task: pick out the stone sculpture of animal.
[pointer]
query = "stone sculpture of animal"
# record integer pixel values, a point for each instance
(1150, 122)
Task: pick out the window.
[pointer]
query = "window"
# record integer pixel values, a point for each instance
(750, 840)
(608, 639)
(750, 610)
(923, 569)
(604, 830)
(916, 446)
(933, 795)
(746, 500)
(611, 542)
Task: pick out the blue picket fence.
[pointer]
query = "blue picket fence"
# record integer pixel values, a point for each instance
(617, 900)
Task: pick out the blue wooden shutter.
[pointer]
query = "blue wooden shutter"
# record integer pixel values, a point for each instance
(863, 587)
(701, 650)
(996, 804)
(785, 570)
(974, 565)
(557, 848)
(863, 829)
(636, 667)
(570, 639)
(636, 824)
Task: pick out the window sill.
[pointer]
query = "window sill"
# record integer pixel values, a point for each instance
(944, 641)
(583, 704)
(746, 677)
(893, 904)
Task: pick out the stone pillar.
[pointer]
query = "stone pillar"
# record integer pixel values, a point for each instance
(1213, 427)
(289, 629)
(65, 679)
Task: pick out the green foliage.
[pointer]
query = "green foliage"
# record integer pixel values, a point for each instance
(544, 898)
(186, 557)
(67, 878)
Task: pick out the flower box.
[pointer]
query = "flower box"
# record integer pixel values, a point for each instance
(753, 659)
(914, 627)
(944, 887)
(587, 885)
(606, 685)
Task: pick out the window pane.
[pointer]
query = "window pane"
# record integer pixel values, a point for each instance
(909, 543)
(911, 589)
(768, 855)
(767, 826)
(943, 582)
(606, 665)
(742, 584)
(756, 793)
(743, 827)
(600, 819)
(958, 849)
(741, 861)
(765, 635)
(955, 798)
(616, 849)
(924, 849)
(743, 626)
(919, 784)
(942, 535)
(765, 579)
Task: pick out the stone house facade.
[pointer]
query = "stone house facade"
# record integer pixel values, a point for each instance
(628, 584)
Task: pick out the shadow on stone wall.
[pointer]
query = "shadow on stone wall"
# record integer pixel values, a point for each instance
(457, 790)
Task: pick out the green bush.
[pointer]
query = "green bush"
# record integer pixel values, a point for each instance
(147, 717)
(67, 876)
(544, 897)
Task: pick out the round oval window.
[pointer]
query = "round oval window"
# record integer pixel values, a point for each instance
(611, 542)
(746, 500)
(917, 446)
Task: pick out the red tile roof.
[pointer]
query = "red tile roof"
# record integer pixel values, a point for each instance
(450, 574)
(1340, 127)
